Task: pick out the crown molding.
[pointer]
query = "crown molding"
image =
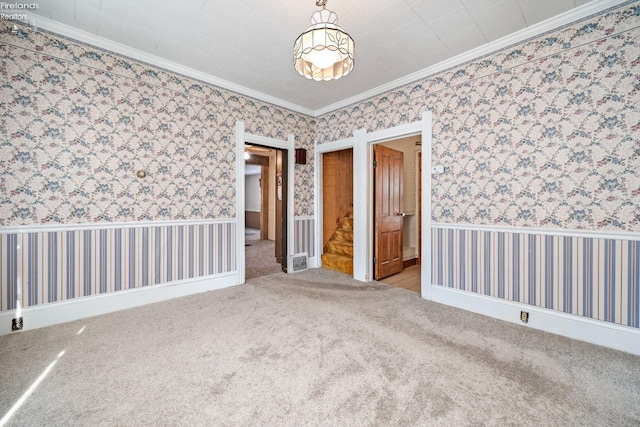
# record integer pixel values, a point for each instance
(41, 22)
(582, 12)
(551, 24)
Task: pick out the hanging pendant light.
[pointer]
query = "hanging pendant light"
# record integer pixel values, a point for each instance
(324, 51)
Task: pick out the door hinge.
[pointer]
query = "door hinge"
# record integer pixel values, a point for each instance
(375, 260)
(375, 164)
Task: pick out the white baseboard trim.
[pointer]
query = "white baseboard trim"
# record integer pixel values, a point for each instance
(597, 332)
(313, 262)
(80, 308)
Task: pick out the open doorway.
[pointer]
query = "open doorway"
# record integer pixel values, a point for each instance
(337, 210)
(396, 223)
(265, 210)
(362, 143)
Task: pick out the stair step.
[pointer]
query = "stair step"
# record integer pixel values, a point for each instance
(346, 223)
(350, 212)
(343, 235)
(341, 263)
(338, 247)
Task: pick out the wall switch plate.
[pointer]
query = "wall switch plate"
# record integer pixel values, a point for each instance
(437, 169)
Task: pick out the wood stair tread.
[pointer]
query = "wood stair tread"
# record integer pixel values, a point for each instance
(336, 256)
(338, 253)
(341, 263)
(340, 242)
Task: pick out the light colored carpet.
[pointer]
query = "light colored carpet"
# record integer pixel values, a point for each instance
(260, 259)
(315, 348)
(251, 234)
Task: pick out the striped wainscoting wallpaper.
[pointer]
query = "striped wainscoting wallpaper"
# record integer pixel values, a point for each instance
(44, 267)
(597, 278)
(304, 235)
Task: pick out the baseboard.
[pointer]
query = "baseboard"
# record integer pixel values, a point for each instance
(409, 262)
(80, 308)
(598, 332)
(313, 262)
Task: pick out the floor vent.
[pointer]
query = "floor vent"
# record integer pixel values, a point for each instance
(299, 262)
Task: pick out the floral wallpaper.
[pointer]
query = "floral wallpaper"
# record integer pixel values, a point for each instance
(543, 134)
(78, 122)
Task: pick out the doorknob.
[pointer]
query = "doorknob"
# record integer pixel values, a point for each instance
(400, 214)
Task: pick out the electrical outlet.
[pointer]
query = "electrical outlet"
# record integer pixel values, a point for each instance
(524, 316)
(16, 324)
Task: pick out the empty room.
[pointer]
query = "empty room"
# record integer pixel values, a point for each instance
(320, 212)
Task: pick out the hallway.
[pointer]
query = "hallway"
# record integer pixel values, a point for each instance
(259, 255)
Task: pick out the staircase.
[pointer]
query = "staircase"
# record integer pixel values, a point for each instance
(338, 252)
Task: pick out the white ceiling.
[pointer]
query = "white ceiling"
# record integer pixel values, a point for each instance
(249, 42)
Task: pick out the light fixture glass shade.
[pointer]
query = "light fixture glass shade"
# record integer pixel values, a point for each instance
(324, 51)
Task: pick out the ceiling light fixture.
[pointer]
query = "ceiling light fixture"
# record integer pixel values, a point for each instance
(324, 51)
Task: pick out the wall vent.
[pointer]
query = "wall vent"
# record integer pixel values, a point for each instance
(299, 262)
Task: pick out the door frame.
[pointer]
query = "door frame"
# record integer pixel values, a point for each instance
(241, 138)
(319, 150)
(263, 162)
(363, 209)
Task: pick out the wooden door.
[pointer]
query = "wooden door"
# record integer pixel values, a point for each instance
(388, 170)
(419, 210)
(281, 208)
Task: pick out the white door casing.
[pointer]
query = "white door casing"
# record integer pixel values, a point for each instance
(362, 143)
(241, 138)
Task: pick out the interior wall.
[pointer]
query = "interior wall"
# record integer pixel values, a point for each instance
(252, 200)
(537, 136)
(537, 140)
(252, 193)
(78, 123)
